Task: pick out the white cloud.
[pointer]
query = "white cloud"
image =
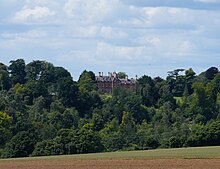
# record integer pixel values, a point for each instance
(107, 31)
(80, 31)
(186, 48)
(146, 40)
(158, 17)
(32, 34)
(36, 13)
(90, 11)
(76, 56)
(47, 3)
(112, 53)
(105, 53)
(167, 15)
(110, 33)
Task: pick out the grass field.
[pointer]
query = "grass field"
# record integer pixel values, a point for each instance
(194, 158)
(195, 152)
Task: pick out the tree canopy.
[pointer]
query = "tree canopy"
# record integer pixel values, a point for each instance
(43, 111)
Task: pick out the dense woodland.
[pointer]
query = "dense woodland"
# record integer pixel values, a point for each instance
(44, 112)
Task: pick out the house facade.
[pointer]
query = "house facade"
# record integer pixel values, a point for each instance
(106, 84)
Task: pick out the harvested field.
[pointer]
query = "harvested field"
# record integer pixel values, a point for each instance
(113, 164)
(183, 158)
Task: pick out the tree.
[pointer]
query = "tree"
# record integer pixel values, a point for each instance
(121, 75)
(111, 138)
(88, 140)
(176, 82)
(35, 89)
(202, 135)
(44, 112)
(216, 83)
(66, 120)
(67, 92)
(21, 145)
(70, 118)
(5, 81)
(132, 104)
(148, 90)
(166, 96)
(97, 121)
(146, 139)
(127, 130)
(37, 109)
(34, 70)
(87, 82)
(213, 133)
(49, 147)
(127, 125)
(56, 105)
(17, 71)
(189, 76)
(167, 114)
(88, 101)
(204, 101)
(5, 128)
(211, 72)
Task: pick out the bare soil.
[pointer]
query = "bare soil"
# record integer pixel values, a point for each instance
(113, 164)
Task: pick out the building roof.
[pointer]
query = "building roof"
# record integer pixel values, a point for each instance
(115, 79)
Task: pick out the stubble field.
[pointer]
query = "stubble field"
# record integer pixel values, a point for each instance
(190, 158)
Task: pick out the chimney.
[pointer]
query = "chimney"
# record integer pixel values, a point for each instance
(114, 74)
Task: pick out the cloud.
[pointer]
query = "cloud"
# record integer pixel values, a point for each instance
(190, 4)
(76, 56)
(149, 40)
(80, 31)
(32, 34)
(37, 13)
(105, 53)
(167, 16)
(90, 11)
(112, 34)
(112, 53)
(161, 18)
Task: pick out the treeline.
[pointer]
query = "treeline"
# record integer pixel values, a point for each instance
(44, 112)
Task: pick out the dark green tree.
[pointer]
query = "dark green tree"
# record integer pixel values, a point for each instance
(5, 81)
(17, 71)
(189, 78)
(21, 145)
(211, 72)
(5, 128)
(121, 75)
(148, 90)
(87, 82)
(88, 140)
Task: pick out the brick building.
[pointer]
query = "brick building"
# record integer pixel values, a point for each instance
(106, 84)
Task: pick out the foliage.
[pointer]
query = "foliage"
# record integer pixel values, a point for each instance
(21, 145)
(17, 71)
(5, 128)
(121, 75)
(44, 112)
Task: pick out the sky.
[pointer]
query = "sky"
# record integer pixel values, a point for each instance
(138, 37)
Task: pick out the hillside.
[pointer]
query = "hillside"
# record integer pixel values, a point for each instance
(44, 112)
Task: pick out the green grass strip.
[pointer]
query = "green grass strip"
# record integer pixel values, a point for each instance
(191, 153)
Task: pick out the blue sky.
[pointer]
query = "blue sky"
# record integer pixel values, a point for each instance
(135, 36)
